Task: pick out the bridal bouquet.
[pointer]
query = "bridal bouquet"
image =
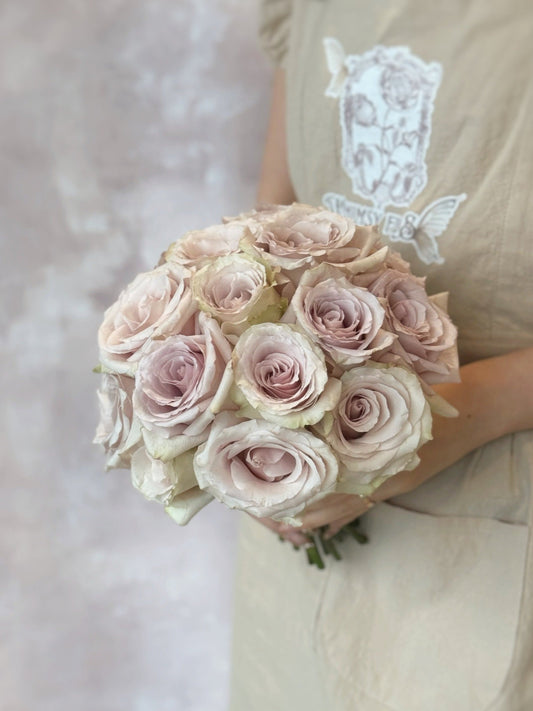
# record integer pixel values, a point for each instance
(269, 361)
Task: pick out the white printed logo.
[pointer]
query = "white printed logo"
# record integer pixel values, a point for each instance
(386, 103)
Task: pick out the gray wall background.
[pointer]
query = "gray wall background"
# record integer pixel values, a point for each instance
(123, 123)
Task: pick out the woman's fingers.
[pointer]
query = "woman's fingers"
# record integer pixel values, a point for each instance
(333, 511)
(293, 534)
(335, 526)
(334, 508)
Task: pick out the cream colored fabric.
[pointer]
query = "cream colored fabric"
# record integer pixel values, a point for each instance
(436, 613)
(274, 29)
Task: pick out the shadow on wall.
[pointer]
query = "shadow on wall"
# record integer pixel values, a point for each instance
(123, 124)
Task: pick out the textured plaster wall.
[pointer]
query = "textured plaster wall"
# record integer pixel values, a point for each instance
(123, 123)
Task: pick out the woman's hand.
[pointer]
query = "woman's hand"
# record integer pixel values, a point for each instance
(336, 510)
(494, 398)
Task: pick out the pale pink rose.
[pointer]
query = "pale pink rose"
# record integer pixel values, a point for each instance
(198, 247)
(175, 385)
(427, 338)
(281, 375)
(296, 235)
(345, 320)
(237, 290)
(262, 468)
(156, 304)
(382, 419)
(364, 252)
(162, 481)
(261, 213)
(118, 430)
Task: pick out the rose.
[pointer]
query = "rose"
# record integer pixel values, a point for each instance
(297, 235)
(156, 303)
(400, 86)
(162, 481)
(364, 252)
(198, 247)
(262, 213)
(262, 468)
(362, 110)
(177, 384)
(426, 335)
(281, 236)
(345, 320)
(281, 375)
(118, 430)
(172, 483)
(236, 290)
(382, 419)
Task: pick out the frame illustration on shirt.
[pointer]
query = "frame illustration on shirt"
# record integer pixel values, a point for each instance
(386, 100)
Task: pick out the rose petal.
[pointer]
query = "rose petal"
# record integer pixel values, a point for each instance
(183, 507)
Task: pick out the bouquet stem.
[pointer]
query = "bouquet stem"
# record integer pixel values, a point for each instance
(320, 546)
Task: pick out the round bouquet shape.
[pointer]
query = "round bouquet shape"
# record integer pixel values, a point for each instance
(268, 361)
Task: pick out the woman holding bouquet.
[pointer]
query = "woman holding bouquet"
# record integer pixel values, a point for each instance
(416, 118)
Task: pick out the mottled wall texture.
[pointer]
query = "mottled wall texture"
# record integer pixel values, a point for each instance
(123, 123)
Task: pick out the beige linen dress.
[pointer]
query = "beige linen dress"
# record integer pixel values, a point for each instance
(417, 115)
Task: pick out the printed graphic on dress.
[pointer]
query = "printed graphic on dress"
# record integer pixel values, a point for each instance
(386, 99)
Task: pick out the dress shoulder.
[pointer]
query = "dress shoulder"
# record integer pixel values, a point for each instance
(274, 29)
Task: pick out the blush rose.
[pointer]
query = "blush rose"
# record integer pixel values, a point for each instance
(156, 304)
(198, 247)
(427, 338)
(118, 430)
(381, 421)
(237, 290)
(264, 469)
(177, 382)
(296, 235)
(281, 375)
(345, 320)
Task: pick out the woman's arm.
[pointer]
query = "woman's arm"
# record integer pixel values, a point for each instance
(494, 397)
(274, 183)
